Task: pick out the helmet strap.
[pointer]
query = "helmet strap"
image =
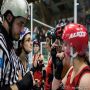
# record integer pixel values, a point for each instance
(10, 23)
(72, 54)
(25, 51)
(10, 29)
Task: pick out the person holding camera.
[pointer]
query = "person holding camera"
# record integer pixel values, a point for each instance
(50, 38)
(38, 65)
(75, 43)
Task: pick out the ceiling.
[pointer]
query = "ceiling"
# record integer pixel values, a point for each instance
(56, 6)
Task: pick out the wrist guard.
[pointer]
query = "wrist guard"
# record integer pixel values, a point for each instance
(26, 82)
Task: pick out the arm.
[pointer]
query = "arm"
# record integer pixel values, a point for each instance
(24, 84)
(58, 82)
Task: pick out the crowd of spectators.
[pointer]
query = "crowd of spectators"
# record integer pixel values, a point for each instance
(40, 31)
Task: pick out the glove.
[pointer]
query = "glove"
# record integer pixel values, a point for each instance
(44, 74)
(59, 69)
(50, 78)
(26, 82)
(53, 54)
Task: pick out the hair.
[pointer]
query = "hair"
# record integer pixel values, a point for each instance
(84, 57)
(19, 49)
(6, 13)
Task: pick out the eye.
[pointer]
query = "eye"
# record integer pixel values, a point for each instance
(28, 40)
(20, 24)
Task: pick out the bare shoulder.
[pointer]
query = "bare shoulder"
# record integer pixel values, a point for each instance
(85, 82)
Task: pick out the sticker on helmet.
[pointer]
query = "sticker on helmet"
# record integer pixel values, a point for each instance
(77, 34)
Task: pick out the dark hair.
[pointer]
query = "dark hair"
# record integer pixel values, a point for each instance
(7, 12)
(19, 49)
(85, 57)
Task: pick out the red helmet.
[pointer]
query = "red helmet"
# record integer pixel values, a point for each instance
(58, 32)
(76, 36)
(59, 29)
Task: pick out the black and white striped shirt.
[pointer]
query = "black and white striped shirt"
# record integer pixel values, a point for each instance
(9, 62)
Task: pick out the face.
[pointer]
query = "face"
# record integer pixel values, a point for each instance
(67, 58)
(17, 26)
(48, 47)
(27, 44)
(36, 48)
(66, 49)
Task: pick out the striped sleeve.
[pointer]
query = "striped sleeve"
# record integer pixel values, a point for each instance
(4, 55)
(9, 64)
(1, 64)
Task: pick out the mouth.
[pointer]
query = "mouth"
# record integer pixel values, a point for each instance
(31, 48)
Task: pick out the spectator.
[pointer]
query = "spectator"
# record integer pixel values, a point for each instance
(38, 65)
(49, 66)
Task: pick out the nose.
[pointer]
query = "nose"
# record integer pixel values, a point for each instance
(31, 43)
(20, 29)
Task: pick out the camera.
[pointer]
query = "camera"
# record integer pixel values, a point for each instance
(54, 51)
(40, 65)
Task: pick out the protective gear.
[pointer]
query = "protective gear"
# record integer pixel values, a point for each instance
(51, 36)
(62, 24)
(24, 32)
(36, 42)
(17, 7)
(59, 30)
(76, 36)
(59, 68)
(53, 54)
(26, 83)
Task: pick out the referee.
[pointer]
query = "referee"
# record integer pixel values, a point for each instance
(14, 13)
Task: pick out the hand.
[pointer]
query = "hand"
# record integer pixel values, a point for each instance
(59, 68)
(53, 54)
(60, 55)
(19, 75)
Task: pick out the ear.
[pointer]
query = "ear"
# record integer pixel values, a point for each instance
(9, 17)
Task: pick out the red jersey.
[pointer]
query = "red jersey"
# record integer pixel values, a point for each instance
(75, 83)
(38, 74)
(49, 71)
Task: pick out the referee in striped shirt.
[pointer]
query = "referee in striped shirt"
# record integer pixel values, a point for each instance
(14, 13)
